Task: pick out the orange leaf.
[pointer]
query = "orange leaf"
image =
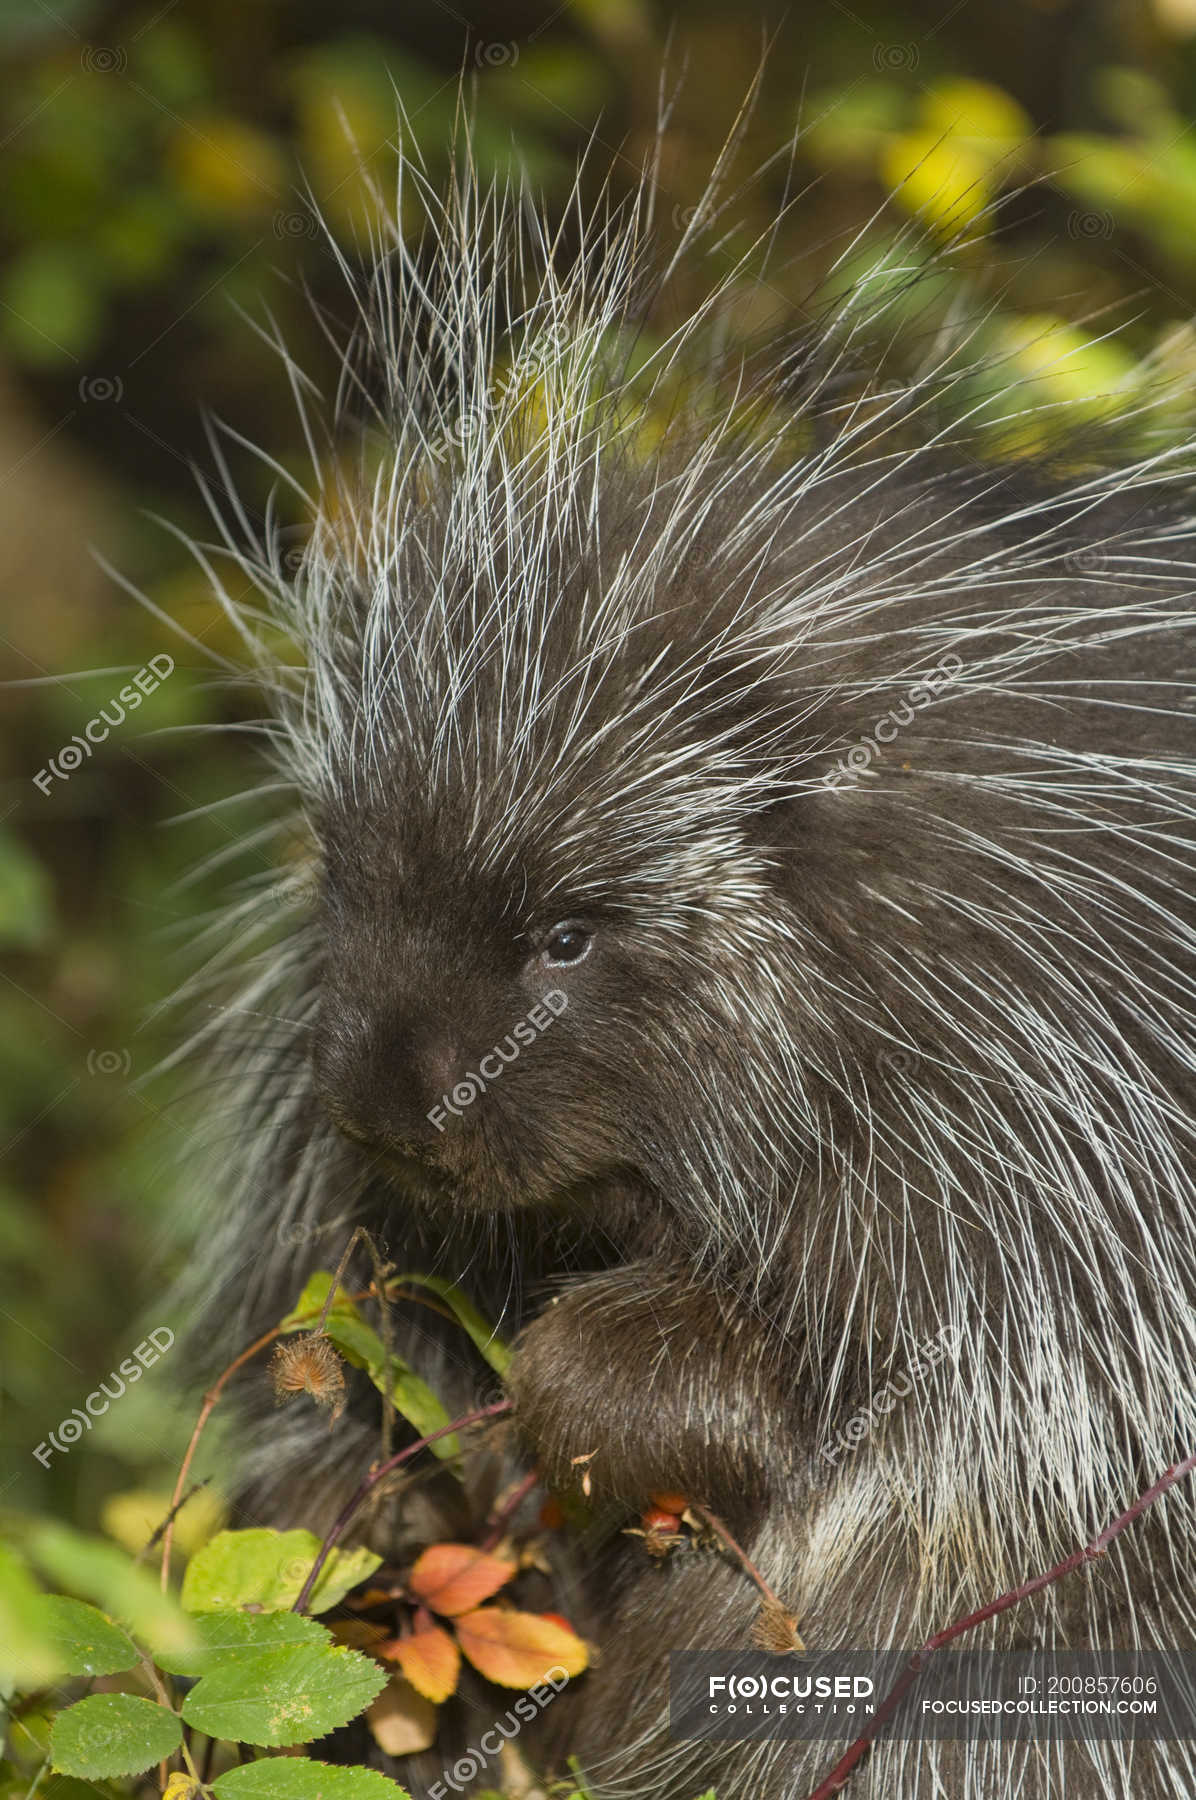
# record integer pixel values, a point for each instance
(400, 1720)
(519, 1649)
(453, 1578)
(429, 1659)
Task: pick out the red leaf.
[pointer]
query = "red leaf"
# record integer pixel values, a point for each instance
(518, 1649)
(429, 1659)
(453, 1578)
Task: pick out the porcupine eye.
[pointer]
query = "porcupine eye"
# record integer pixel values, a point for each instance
(566, 943)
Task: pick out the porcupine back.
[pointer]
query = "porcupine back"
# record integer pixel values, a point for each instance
(868, 747)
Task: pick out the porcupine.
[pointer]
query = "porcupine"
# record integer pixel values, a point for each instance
(829, 768)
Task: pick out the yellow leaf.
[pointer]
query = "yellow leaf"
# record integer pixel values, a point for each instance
(941, 179)
(226, 167)
(131, 1518)
(518, 1649)
(977, 110)
(429, 1659)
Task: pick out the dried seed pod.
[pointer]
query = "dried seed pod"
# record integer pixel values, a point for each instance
(309, 1365)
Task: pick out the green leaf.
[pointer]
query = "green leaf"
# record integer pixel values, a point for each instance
(110, 1577)
(281, 1697)
(223, 1636)
(86, 1640)
(66, 1787)
(112, 1734)
(267, 1569)
(25, 901)
(52, 307)
(298, 1778)
(360, 1344)
(575, 1770)
(485, 1339)
(27, 1651)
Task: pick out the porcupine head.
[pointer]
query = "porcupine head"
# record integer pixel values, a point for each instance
(557, 732)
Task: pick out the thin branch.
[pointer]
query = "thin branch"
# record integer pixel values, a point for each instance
(714, 1523)
(502, 1515)
(164, 1699)
(209, 1400)
(841, 1773)
(39, 1776)
(175, 1510)
(345, 1517)
(377, 1290)
(381, 1271)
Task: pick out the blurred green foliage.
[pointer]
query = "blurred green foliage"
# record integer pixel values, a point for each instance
(155, 160)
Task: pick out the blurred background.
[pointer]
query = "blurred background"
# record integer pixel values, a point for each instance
(153, 165)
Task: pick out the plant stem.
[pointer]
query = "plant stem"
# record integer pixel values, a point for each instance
(209, 1400)
(381, 1271)
(715, 1524)
(502, 1515)
(164, 1699)
(357, 1500)
(841, 1773)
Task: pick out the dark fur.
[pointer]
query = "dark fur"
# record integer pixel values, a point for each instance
(641, 1197)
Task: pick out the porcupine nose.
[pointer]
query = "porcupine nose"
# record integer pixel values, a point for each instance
(381, 1081)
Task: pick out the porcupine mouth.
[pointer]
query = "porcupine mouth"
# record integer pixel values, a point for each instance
(485, 1187)
(478, 1181)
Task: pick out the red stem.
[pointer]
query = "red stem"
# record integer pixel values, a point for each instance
(715, 1524)
(839, 1775)
(345, 1516)
(502, 1515)
(209, 1400)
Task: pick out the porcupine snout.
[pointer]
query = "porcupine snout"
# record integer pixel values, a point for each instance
(380, 1070)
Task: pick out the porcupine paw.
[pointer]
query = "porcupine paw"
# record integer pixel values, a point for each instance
(634, 1382)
